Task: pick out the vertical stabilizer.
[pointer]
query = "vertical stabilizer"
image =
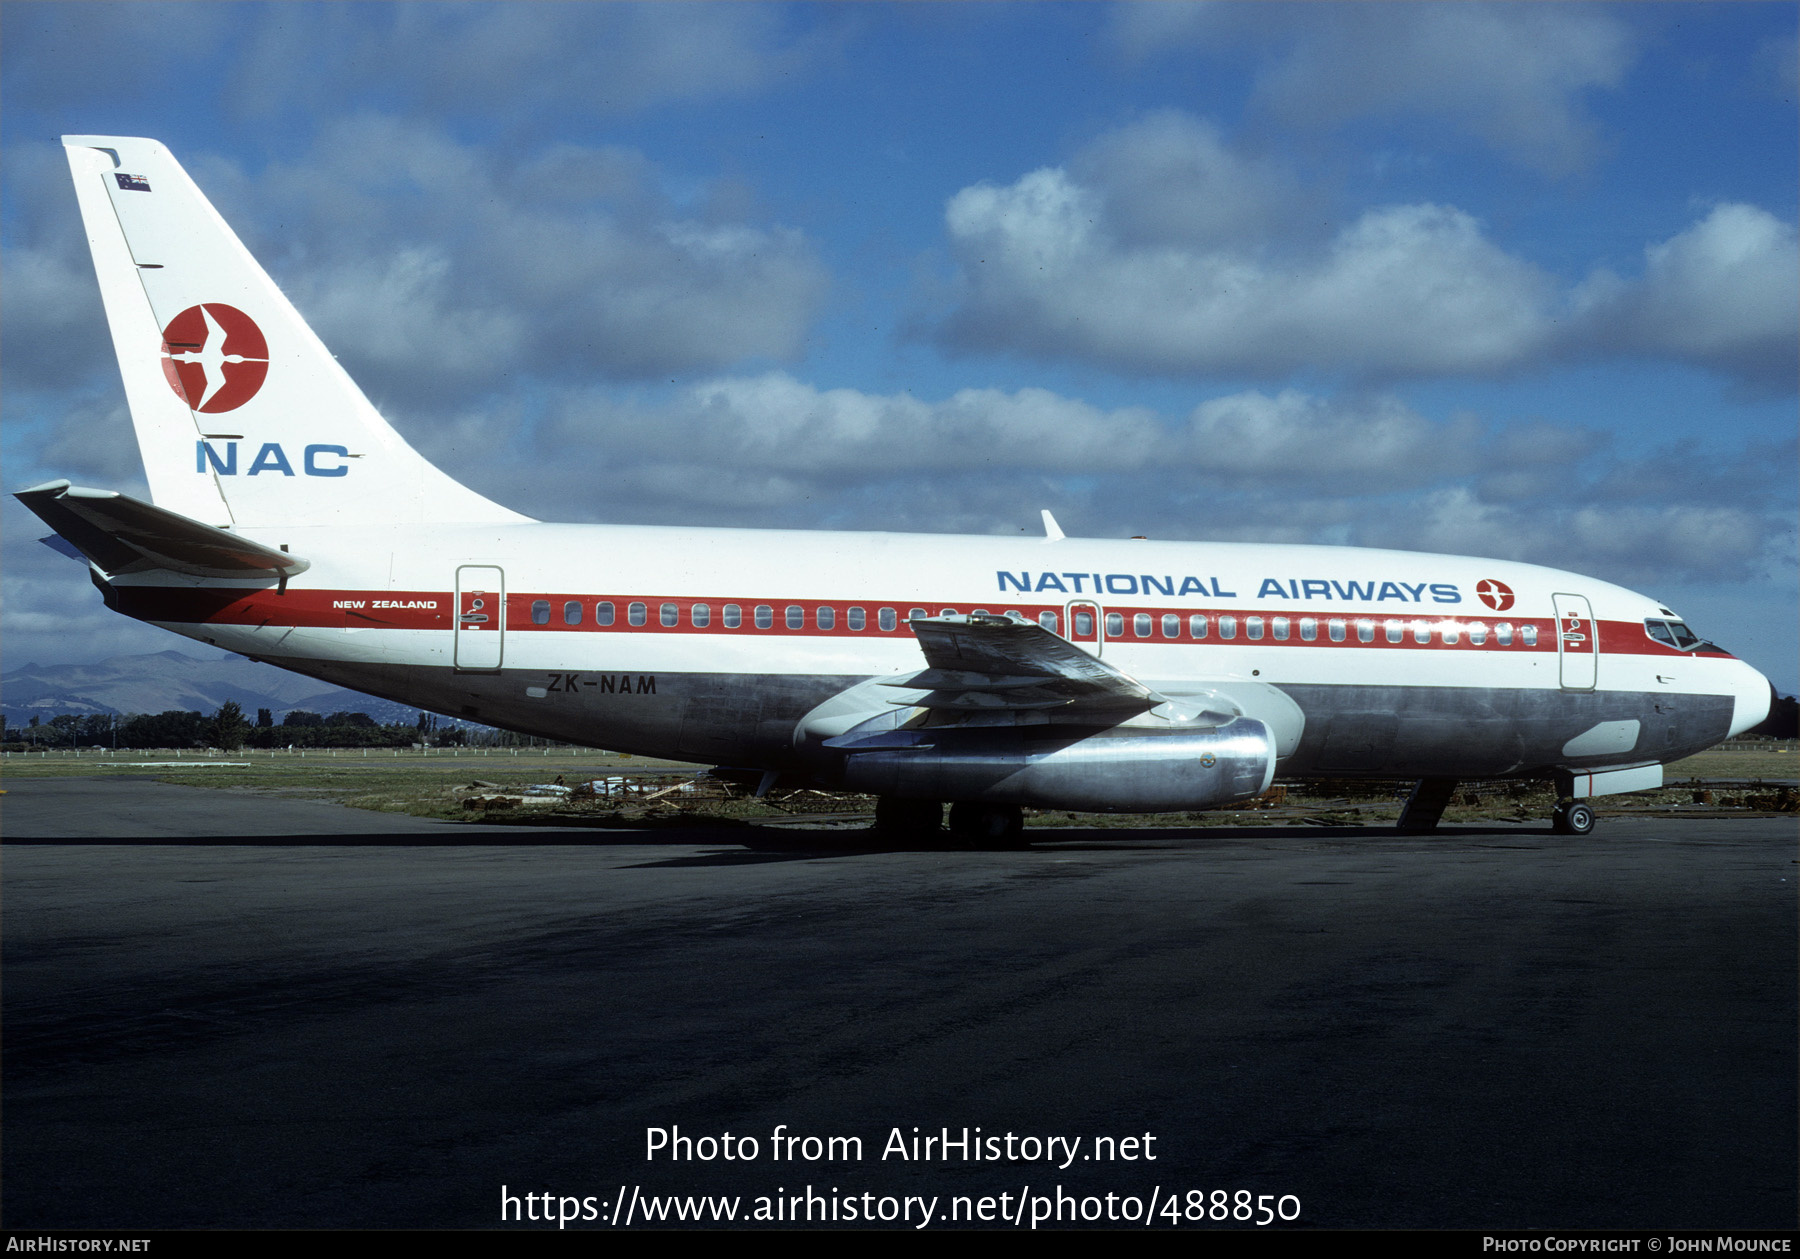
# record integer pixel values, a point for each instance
(243, 417)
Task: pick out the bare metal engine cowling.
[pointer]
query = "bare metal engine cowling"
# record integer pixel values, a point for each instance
(1112, 772)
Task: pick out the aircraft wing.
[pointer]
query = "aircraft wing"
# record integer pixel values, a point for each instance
(995, 662)
(120, 534)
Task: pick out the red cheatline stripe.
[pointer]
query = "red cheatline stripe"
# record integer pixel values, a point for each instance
(431, 609)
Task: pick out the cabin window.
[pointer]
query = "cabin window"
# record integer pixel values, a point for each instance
(702, 615)
(948, 612)
(572, 612)
(1503, 633)
(734, 616)
(1171, 625)
(1336, 628)
(916, 613)
(603, 613)
(1227, 626)
(765, 616)
(1279, 627)
(1013, 614)
(856, 618)
(1477, 633)
(826, 617)
(1048, 621)
(888, 618)
(670, 615)
(635, 614)
(1528, 635)
(1084, 624)
(796, 616)
(1365, 631)
(1197, 625)
(1140, 624)
(1451, 631)
(1115, 625)
(540, 611)
(1253, 628)
(980, 612)
(1421, 632)
(1395, 631)
(1309, 628)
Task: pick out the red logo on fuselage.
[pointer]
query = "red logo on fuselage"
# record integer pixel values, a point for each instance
(1496, 594)
(215, 357)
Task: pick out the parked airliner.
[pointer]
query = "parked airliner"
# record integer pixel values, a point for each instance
(290, 523)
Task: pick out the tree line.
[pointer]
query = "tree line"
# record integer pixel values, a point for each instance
(229, 730)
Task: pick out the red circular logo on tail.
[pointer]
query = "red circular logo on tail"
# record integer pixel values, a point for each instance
(1496, 594)
(215, 357)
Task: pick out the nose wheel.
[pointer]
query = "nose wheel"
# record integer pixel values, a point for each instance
(1572, 817)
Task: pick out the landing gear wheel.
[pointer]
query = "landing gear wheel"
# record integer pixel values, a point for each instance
(987, 825)
(908, 819)
(1573, 817)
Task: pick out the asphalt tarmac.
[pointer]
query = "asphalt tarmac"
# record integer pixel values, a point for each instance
(267, 1014)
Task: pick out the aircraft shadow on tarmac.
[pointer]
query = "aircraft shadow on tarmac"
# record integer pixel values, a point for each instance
(751, 845)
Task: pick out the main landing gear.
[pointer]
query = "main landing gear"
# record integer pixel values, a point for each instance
(908, 819)
(972, 825)
(987, 825)
(1572, 817)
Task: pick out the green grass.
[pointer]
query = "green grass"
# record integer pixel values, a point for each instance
(438, 785)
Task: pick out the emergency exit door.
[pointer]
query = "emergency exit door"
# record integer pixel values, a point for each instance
(1577, 642)
(480, 618)
(1085, 626)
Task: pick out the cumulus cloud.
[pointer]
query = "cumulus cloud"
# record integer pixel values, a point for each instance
(777, 442)
(1158, 248)
(1403, 290)
(1171, 179)
(1724, 294)
(433, 267)
(437, 269)
(1633, 543)
(1514, 75)
(513, 62)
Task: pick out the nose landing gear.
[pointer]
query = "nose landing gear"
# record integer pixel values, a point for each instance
(1572, 817)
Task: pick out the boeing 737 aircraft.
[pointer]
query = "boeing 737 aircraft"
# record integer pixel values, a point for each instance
(290, 523)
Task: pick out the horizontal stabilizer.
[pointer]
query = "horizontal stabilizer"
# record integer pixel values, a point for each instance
(119, 534)
(996, 662)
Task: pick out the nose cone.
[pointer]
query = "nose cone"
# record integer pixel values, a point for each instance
(1752, 693)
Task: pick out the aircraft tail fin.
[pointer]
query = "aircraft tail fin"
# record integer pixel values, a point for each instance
(243, 417)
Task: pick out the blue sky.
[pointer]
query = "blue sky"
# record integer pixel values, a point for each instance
(1514, 280)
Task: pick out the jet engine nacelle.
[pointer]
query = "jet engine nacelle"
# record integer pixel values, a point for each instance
(1103, 773)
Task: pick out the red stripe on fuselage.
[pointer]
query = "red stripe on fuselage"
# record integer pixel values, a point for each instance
(431, 610)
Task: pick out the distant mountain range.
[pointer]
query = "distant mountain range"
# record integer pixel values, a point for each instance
(170, 680)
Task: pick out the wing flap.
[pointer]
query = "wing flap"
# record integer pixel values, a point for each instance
(120, 534)
(991, 663)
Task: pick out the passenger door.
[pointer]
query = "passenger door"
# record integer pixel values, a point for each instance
(1086, 626)
(1577, 643)
(480, 618)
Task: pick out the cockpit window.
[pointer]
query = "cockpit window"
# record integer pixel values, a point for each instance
(1673, 634)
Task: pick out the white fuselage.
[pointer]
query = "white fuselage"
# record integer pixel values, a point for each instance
(590, 632)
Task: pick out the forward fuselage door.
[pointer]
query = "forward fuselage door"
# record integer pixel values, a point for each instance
(480, 618)
(1086, 626)
(1577, 642)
